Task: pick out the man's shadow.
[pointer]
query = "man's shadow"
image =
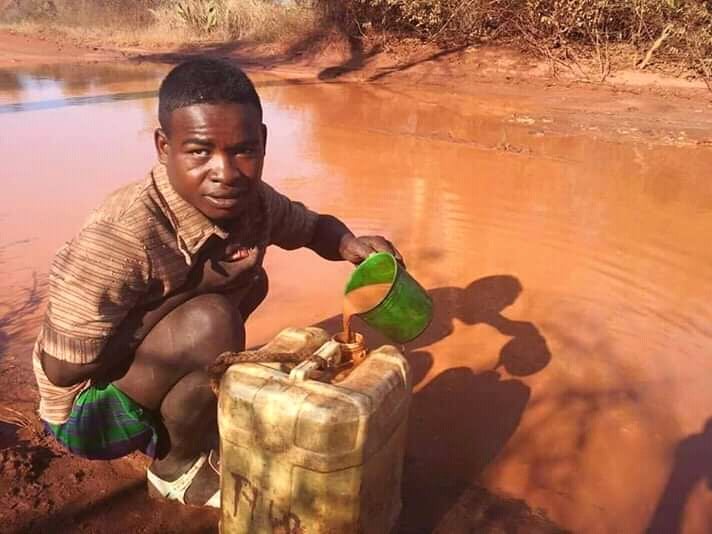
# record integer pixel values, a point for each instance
(461, 420)
(692, 465)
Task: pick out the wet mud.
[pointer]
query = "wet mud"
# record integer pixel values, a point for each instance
(563, 384)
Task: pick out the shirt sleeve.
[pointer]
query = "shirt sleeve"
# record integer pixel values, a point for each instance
(94, 281)
(292, 224)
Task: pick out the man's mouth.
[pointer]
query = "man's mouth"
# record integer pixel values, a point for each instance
(227, 200)
(223, 202)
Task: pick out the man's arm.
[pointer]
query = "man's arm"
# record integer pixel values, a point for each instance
(334, 241)
(217, 270)
(119, 347)
(294, 226)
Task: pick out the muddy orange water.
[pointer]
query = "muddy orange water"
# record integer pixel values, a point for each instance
(361, 300)
(568, 254)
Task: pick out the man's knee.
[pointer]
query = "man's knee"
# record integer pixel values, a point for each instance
(206, 326)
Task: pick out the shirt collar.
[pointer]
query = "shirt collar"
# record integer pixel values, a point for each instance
(192, 228)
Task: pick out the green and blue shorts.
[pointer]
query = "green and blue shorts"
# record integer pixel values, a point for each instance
(106, 424)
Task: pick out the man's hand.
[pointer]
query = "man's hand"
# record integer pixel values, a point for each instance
(357, 249)
(334, 241)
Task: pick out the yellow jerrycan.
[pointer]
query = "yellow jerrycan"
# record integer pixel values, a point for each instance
(308, 452)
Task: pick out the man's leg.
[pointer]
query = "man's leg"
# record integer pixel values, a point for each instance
(168, 375)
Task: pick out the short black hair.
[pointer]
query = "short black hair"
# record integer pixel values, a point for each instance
(204, 81)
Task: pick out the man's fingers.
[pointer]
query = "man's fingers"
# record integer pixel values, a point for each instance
(240, 254)
(360, 250)
(397, 255)
(381, 244)
(244, 258)
(238, 262)
(237, 253)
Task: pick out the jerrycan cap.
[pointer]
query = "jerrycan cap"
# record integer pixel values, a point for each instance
(326, 357)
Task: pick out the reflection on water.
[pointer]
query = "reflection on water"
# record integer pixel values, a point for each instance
(17, 107)
(32, 83)
(578, 389)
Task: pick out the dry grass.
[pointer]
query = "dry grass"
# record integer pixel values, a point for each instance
(256, 20)
(150, 37)
(167, 22)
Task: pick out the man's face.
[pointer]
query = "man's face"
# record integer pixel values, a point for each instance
(214, 155)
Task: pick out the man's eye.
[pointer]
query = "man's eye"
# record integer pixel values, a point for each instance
(201, 152)
(248, 152)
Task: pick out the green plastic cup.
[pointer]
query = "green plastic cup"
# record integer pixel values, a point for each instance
(406, 310)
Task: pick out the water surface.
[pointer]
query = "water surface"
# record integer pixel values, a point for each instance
(570, 354)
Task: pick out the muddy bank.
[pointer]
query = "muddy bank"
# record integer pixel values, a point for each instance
(18, 49)
(49, 491)
(329, 57)
(46, 490)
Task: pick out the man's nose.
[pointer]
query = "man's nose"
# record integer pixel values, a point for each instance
(224, 170)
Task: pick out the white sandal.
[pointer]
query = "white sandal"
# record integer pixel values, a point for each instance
(175, 491)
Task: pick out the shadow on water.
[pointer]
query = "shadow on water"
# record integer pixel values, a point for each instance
(411, 64)
(14, 311)
(18, 327)
(449, 448)
(692, 465)
(462, 419)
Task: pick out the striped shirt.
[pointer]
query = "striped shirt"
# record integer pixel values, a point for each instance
(135, 250)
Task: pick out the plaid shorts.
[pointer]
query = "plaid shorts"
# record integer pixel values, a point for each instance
(106, 424)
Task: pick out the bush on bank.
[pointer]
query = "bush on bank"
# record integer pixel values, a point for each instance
(677, 31)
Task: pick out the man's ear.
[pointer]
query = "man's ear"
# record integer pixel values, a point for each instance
(160, 139)
(264, 139)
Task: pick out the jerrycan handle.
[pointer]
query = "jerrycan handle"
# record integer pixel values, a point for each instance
(326, 357)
